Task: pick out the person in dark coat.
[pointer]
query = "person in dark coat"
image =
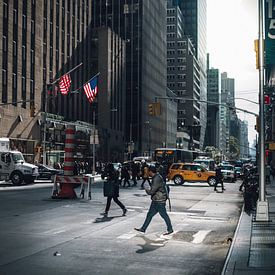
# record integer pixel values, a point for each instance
(219, 178)
(125, 176)
(135, 172)
(111, 189)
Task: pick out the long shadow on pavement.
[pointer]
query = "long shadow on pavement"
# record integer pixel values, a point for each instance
(151, 245)
(106, 219)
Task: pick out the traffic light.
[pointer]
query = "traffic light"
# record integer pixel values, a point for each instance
(257, 126)
(151, 109)
(256, 49)
(157, 108)
(32, 110)
(267, 100)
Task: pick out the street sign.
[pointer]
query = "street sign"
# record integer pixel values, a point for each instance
(94, 137)
(269, 32)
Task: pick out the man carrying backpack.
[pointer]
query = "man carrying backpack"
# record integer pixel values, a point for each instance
(159, 195)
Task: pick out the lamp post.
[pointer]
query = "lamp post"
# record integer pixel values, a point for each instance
(262, 212)
(149, 137)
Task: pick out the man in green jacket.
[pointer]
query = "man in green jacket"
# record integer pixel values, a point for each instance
(158, 192)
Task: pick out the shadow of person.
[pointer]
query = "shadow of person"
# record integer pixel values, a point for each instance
(105, 219)
(150, 245)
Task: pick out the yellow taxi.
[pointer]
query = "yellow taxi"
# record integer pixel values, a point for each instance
(191, 172)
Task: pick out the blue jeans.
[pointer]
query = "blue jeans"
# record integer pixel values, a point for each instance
(157, 207)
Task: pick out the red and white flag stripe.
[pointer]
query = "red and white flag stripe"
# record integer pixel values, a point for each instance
(65, 84)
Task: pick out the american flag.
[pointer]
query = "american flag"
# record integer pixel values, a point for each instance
(91, 89)
(64, 84)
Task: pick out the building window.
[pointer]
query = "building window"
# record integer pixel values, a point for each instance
(14, 48)
(15, 17)
(24, 52)
(5, 10)
(4, 43)
(32, 27)
(24, 21)
(4, 77)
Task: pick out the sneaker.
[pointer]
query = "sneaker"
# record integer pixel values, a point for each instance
(124, 212)
(168, 233)
(139, 230)
(105, 214)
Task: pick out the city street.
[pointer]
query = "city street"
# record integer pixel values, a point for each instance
(39, 235)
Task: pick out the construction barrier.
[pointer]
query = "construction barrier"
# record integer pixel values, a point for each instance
(63, 187)
(91, 181)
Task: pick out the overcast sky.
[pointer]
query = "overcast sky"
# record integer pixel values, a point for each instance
(232, 27)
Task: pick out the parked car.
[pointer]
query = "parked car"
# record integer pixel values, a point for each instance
(191, 172)
(228, 172)
(238, 172)
(46, 172)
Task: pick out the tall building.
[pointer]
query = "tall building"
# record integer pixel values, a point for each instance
(234, 136)
(244, 144)
(142, 24)
(194, 14)
(213, 95)
(183, 78)
(42, 40)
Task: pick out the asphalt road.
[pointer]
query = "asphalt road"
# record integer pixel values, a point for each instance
(39, 235)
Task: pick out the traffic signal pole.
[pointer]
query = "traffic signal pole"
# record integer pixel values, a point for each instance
(262, 212)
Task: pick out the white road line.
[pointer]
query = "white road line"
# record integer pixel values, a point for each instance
(127, 236)
(200, 235)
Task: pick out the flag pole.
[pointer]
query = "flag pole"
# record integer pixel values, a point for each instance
(73, 69)
(93, 173)
(77, 90)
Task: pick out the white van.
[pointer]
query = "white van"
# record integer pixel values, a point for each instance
(208, 163)
(13, 166)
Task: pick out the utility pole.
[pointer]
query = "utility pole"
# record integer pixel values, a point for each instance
(262, 212)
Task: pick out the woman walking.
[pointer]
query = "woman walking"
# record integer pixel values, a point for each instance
(111, 189)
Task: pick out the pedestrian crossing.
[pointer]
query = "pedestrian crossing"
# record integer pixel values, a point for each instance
(198, 237)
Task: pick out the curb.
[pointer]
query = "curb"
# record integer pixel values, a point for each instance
(229, 253)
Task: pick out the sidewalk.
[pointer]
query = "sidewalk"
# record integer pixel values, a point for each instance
(253, 247)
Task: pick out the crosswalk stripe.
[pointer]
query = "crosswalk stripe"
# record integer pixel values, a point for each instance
(127, 236)
(200, 235)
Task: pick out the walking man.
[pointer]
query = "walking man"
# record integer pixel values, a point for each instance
(159, 195)
(219, 179)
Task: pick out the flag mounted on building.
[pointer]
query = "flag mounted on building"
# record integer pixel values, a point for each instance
(64, 84)
(91, 88)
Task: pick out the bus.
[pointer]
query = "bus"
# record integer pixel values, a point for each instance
(171, 155)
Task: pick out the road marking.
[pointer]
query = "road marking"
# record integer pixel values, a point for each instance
(135, 207)
(53, 232)
(127, 236)
(200, 235)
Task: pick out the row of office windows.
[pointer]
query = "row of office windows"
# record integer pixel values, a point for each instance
(173, 60)
(173, 52)
(176, 68)
(173, 84)
(179, 43)
(178, 76)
